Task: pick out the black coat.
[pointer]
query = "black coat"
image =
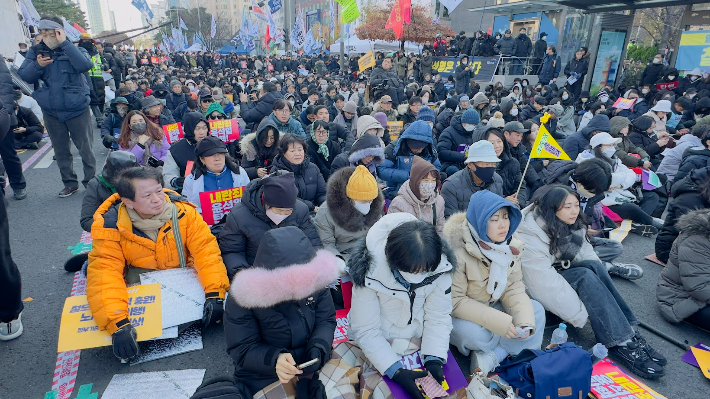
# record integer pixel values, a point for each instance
(539, 50)
(578, 66)
(693, 158)
(246, 224)
(449, 141)
(27, 119)
(173, 100)
(323, 164)
(641, 139)
(652, 74)
(309, 180)
(263, 108)
(523, 46)
(96, 193)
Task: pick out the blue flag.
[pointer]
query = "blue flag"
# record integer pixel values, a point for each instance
(142, 6)
(275, 5)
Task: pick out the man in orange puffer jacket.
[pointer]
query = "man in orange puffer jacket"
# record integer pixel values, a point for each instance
(133, 231)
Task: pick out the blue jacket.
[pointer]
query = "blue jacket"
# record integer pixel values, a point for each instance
(550, 68)
(398, 158)
(291, 126)
(65, 94)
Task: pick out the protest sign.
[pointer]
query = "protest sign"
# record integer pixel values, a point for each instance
(154, 60)
(624, 103)
(182, 295)
(226, 130)
(482, 68)
(666, 86)
(188, 168)
(174, 384)
(650, 180)
(610, 382)
(395, 129)
(703, 359)
(144, 61)
(78, 330)
(689, 358)
(348, 11)
(173, 132)
(229, 96)
(216, 204)
(341, 328)
(366, 61)
(453, 375)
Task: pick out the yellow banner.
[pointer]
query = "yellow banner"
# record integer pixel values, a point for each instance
(545, 145)
(78, 330)
(366, 61)
(694, 39)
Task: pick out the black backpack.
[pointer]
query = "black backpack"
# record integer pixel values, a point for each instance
(220, 388)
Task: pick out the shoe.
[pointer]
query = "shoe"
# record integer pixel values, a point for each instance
(636, 360)
(11, 329)
(644, 230)
(20, 194)
(76, 262)
(484, 361)
(32, 146)
(652, 353)
(628, 271)
(658, 223)
(68, 191)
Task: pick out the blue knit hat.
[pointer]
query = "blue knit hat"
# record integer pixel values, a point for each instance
(471, 117)
(426, 114)
(483, 205)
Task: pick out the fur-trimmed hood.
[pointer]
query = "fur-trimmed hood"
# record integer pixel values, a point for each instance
(695, 223)
(370, 254)
(341, 207)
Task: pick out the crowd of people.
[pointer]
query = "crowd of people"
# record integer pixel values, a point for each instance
(415, 187)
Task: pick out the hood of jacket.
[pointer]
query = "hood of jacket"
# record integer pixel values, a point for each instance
(482, 207)
(250, 142)
(189, 122)
(458, 234)
(478, 99)
(690, 183)
(694, 223)
(599, 123)
(215, 106)
(369, 259)
(506, 104)
(416, 131)
(420, 169)
(617, 123)
(341, 207)
(366, 122)
(558, 171)
(456, 124)
(364, 147)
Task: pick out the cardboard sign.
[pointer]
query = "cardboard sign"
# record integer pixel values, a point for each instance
(625, 103)
(173, 132)
(164, 59)
(366, 61)
(689, 358)
(243, 64)
(154, 60)
(650, 180)
(226, 130)
(144, 61)
(216, 204)
(453, 375)
(78, 330)
(666, 86)
(341, 328)
(610, 382)
(270, 67)
(395, 129)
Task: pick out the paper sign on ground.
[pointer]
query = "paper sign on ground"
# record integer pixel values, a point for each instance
(226, 130)
(174, 384)
(168, 333)
(452, 373)
(611, 382)
(188, 341)
(216, 204)
(78, 330)
(182, 296)
(173, 132)
(703, 359)
(689, 358)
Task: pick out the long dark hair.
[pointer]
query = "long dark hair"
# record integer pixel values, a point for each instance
(546, 206)
(600, 155)
(200, 169)
(151, 129)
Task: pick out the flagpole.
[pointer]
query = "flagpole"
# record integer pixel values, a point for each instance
(522, 179)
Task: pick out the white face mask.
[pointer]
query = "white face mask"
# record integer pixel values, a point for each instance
(362, 207)
(604, 98)
(468, 127)
(361, 90)
(414, 278)
(609, 152)
(644, 91)
(565, 96)
(671, 77)
(292, 103)
(514, 112)
(427, 189)
(656, 61)
(276, 218)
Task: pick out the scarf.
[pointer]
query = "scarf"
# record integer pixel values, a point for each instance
(501, 257)
(568, 247)
(322, 148)
(151, 226)
(146, 154)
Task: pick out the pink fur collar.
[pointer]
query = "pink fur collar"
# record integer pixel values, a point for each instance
(257, 287)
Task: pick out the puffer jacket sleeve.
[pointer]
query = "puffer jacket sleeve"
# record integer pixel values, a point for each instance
(399, 204)
(326, 227)
(89, 204)
(191, 192)
(449, 191)
(694, 267)
(324, 326)
(30, 71)
(320, 188)
(233, 244)
(622, 176)
(437, 319)
(305, 223)
(171, 171)
(202, 245)
(446, 151)
(390, 173)
(517, 302)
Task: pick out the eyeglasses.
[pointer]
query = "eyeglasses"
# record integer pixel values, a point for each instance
(283, 110)
(321, 132)
(206, 100)
(48, 32)
(216, 117)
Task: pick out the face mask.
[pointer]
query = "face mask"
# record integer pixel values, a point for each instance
(604, 98)
(693, 78)
(671, 77)
(691, 96)
(485, 174)
(514, 112)
(361, 207)
(51, 42)
(609, 152)
(584, 100)
(565, 96)
(583, 192)
(414, 278)
(469, 128)
(656, 61)
(644, 91)
(360, 90)
(427, 189)
(139, 127)
(277, 219)
(122, 112)
(292, 103)
(464, 62)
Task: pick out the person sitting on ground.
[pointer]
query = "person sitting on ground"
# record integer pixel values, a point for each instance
(367, 124)
(184, 108)
(267, 203)
(281, 116)
(367, 151)
(401, 303)
(419, 195)
(694, 158)
(672, 157)
(508, 168)
(28, 131)
(683, 290)
(142, 211)
(111, 126)
(454, 141)
(562, 272)
(578, 141)
(153, 109)
(253, 111)
(213, 170)
(144, 139)
(195, 128)
(215, 112)
(620, 127)
(479, 174)
(259, 148)
(644, 136)
(309, 181)
(264, 340)
(321, 149)
(348, 118)
(176, 96)
(492, 314)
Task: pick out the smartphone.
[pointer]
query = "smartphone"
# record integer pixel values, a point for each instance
(45, 53)
(155, 162)
(306, 364)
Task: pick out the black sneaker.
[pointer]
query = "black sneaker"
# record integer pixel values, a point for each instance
(628, 271)
(652, 353)
(645, 230)
(67, 191)
(20, 194)
(32, 146)
(636, 360)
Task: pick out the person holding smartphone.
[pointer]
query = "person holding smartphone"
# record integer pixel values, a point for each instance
(144, 139)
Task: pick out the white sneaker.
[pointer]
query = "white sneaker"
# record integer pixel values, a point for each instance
(11, 329)
(485, 361)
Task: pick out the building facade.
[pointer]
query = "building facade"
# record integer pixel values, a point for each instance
(101, 18)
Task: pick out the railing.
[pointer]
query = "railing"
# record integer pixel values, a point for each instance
(511, 65)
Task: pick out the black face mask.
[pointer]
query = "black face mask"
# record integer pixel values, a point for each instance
(485, 174)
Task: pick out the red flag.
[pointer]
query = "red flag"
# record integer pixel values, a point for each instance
(395, 21)
(79, 28)
(406, 6)
(267, 37)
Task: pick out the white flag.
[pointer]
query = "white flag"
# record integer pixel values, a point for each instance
(182, 24)
(451, 4)
(213, 28)
(72, 33)
(29, 13)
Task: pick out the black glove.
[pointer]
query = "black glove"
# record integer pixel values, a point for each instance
(313, 353)
(178, 182)
(125, 346)
(108, 141)
(436, 368)
(405, 378)
(213, 311)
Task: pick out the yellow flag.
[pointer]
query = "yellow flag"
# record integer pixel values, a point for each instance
(366, 61)
(545, 145)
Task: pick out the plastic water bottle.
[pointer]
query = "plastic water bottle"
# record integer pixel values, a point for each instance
(559, 336)
(598, 352)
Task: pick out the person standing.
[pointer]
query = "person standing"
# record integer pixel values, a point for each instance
(550, 67)
(64, 99)
(539, 52)
(10, 160)
(576, 69)
(523, 48)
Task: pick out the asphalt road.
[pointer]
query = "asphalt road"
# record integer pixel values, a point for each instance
(44, 225)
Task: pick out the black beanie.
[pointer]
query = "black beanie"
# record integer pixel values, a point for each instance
(451, 103)
(643, 123)
(279, 190)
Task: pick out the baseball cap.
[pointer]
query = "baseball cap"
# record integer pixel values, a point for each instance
(515, 127)
(386, 99)
(482, 151)
(603, 138)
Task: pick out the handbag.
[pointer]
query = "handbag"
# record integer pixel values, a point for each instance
(480, 388)
(561, 372)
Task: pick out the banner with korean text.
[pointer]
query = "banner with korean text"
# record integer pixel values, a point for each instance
(216, 204)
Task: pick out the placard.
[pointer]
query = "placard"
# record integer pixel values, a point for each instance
(395, 129)
(666, 86)
(453, 375)
(154, 60)
(226, 130)
(341, 328)
(366, 61)
(229, 96)
(610, 382)
(78, 330)
(173, 132)
(216, 204)
(624, 103)
(482, 68)
(144, 61)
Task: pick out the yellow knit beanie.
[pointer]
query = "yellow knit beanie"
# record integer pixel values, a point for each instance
(362, 186)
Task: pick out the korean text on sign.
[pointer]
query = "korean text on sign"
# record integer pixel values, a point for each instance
(173, 132)
(225, 130)
(216, 204)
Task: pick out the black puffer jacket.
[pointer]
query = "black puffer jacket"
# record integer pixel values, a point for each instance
(686, 198)
(266, 314)
(7, 94)
(693, 159)
(97, 191)
(579, 140)
(246, 224)
(450, 140)
(459, 187)
(309, 180)
(319, 160)
(641, 139)
(263, 108)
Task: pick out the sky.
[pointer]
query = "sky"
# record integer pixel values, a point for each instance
(126, 15)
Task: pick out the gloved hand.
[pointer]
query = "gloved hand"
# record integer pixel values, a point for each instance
(178, 182)
(405, 378)
(125, 346)
(213, 310)
(108, 141)
(436, 368)
(313, 353)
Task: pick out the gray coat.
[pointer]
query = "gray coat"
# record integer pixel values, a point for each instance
(684, 285)
(459, 187)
